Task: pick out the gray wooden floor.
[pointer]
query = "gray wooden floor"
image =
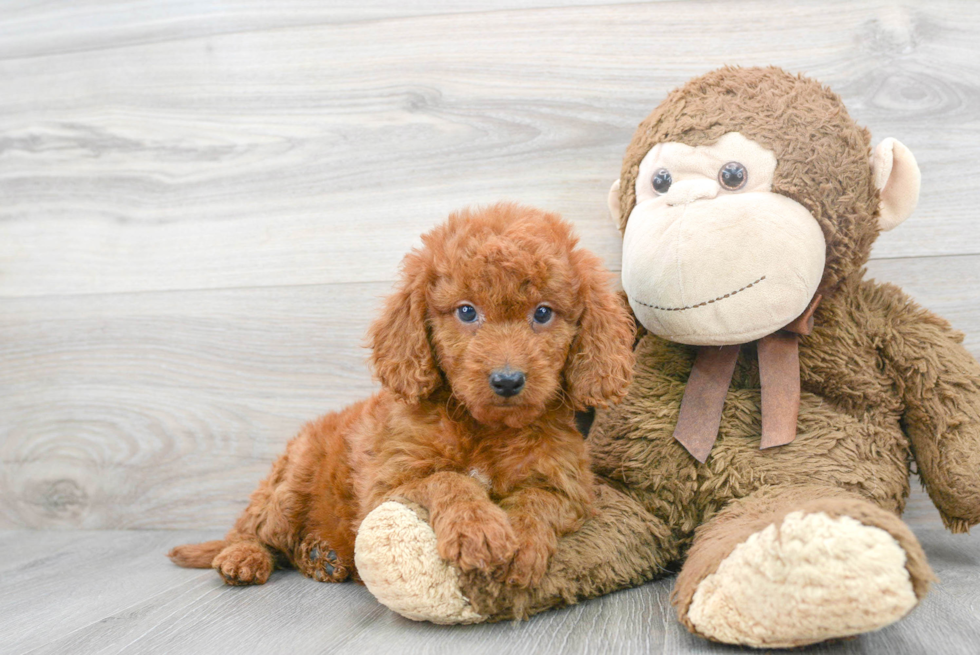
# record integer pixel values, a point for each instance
(112, 591)
(202, 202)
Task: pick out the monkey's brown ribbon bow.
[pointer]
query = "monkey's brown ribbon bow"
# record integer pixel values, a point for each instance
(711, 375)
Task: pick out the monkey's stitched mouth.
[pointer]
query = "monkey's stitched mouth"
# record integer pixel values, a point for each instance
(701, 304)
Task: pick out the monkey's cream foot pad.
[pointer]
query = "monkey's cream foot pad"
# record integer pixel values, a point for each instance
(810, 579)
(397, 559)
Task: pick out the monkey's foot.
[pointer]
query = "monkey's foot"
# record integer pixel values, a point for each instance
(396, 557)
(316, 559)
(805, 580)
(244, 563)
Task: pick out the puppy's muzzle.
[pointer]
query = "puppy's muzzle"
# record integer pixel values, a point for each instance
(507, 382)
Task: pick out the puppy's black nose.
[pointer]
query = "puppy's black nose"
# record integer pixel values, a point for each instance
(507, 382)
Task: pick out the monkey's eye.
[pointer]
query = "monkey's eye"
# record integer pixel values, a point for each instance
(733, 176)
(466, 313)
(661, 181)
(543, 314)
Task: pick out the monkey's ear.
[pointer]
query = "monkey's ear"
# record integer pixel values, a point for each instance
(613, 201)
(898, 178)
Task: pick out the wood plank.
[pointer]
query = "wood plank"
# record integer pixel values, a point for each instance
(31, 30)
(95, 577)
(114, 592)
(948, 286)
(318, 153)
(164, 409)
(201, 204)
(135, 411)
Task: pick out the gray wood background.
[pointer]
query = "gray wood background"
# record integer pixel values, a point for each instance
(202, 203)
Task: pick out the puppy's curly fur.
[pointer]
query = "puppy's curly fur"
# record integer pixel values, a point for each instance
(502, 476)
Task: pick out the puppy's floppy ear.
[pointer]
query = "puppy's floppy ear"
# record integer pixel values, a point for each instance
(401, 354)
(600, 362)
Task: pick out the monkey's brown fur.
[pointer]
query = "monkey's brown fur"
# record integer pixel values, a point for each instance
(502, 478)
(884, 383)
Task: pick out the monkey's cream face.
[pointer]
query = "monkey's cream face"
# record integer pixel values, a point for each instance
(711, 256)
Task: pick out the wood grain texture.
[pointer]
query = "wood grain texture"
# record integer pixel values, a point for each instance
(201, 204)
(29, 30)
(315, 151)
(165, 409)
(114, 592)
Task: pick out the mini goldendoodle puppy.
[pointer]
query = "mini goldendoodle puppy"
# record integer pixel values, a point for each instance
(499, 330)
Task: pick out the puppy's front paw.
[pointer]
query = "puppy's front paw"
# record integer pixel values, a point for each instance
(529, 564)
(475, 536)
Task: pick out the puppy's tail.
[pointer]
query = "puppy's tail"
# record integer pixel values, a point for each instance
(196, 556)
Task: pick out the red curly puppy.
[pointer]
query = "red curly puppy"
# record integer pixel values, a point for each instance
(499, 330)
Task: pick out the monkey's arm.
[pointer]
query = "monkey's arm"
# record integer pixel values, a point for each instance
(939, 382)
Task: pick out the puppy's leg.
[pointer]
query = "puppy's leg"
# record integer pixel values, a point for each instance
(539, 517)
(555, 500)
(471, 531)
(264, 527)
(326, 552)
(241, 558)
(303, 511)
(325, 549)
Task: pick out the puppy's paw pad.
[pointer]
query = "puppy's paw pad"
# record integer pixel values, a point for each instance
(810, 579)
(317, 560)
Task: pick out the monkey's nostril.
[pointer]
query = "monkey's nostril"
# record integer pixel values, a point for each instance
(507, 382)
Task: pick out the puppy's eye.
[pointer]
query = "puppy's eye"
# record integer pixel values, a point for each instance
(466, 313)
(543, 314)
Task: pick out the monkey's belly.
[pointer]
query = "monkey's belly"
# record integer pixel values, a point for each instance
(633, 444)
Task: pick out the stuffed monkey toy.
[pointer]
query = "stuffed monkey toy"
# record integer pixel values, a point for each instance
(779, 400)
